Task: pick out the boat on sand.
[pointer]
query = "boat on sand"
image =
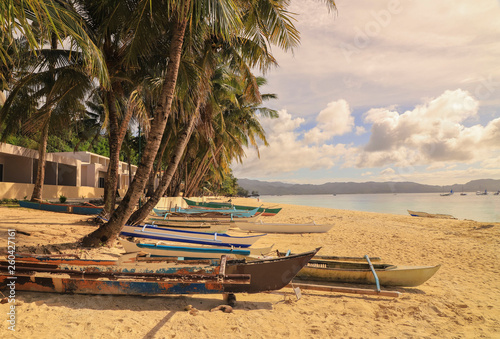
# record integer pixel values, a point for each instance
(361, 273)
(429, 215)
(198, 252)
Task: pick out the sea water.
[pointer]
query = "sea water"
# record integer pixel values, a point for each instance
(471, 206)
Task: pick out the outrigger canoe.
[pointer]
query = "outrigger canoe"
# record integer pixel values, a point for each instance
(360, 273)
(207, 227)
(231, 212)
(264, 210)
(65, 208)
(152, 276)
(177, 235)
(192, 252)
(260, 226)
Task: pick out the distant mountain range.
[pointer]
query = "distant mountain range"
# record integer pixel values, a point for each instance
(280, 188)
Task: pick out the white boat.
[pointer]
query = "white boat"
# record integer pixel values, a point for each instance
(195, 252)
(260, 226)
(177, 235)
(430, 215)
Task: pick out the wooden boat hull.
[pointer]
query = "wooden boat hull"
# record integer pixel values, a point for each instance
(43, 277)
(64, 208)
(429, 215)
(360, 273)
(232, 213)
(265, 211)
(275, 272)
(192, 252)
(74, 276)
(283, 227)
(177, 235)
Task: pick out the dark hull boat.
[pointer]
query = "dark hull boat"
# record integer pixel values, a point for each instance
(151, 276)
(65, 208)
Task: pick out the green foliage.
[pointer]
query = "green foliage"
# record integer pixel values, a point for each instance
(62, 199)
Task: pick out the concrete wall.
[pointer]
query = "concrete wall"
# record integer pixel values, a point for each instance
(9, 190)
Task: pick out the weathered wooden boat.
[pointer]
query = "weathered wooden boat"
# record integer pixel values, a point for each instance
(264, 210)
(65, 208)
(361, 273)
(147, 277)
(85, 279)
(260, 226)
(429, 215)
(230, 212)
(178, 235)
(192, 252)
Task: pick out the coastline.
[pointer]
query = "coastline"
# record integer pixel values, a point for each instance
(461, 300)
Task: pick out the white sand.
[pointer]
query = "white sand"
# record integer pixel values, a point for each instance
(461, 301)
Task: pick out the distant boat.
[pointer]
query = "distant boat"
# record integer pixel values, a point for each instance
(447, 194)
(429, 215)
(482, 193)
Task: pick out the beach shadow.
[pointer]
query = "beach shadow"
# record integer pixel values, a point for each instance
(172, 303)
(158, 326)
(76, 223)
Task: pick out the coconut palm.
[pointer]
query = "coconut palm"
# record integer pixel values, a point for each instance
(49, 88)
(262, 22)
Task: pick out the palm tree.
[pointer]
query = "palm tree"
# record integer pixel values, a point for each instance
(51, 87)
(262, 22)
(36, 20)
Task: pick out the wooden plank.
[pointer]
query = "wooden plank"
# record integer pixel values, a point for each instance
(222, 270)
(325, 288)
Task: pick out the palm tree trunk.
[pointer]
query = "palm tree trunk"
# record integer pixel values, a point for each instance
(144, 211)
(108, 232)
(42, 146)
(42, 155)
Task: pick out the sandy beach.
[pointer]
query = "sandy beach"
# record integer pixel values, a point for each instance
(461, 301)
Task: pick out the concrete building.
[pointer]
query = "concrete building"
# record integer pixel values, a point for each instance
(72, 174)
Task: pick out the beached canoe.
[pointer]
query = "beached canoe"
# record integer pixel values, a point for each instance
(197, 227)
(264, 210)
(75, 276)
(263, 227)
(360, 273)
(65, 208)
(231, 213)
(192, 252)
(163, 276)
(178, 235)
(429, 215)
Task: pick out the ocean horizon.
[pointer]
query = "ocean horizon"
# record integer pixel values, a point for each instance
(484, 208)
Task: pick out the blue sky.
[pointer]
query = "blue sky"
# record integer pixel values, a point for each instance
(395, 90)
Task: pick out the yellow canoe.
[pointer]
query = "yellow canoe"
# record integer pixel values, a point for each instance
(360, 273)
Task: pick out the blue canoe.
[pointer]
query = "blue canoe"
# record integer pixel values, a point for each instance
(200, 238)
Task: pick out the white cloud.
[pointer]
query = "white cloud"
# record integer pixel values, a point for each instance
(360, 130)
(336, 118)
(431, 132)
(288, 151)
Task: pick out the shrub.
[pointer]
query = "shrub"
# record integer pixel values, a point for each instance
(62, 199)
